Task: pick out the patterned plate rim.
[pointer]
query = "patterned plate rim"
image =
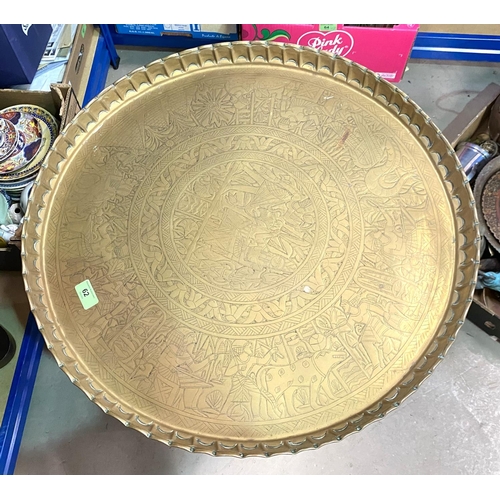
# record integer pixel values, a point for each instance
(49, 120)
(40, 146)
(12, 147)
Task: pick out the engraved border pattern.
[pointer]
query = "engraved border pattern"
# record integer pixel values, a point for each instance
(362, 79)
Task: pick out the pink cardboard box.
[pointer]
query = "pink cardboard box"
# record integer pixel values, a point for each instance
(383, 50)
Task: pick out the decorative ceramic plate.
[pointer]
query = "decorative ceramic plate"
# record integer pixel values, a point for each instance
(8, 138)
(35, 164)
(45, 119)
(19, 184)
(250, 248)
(27, 127)
(18, 148)
(14, 191)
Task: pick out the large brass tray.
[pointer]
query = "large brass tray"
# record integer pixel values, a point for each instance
(282, 246)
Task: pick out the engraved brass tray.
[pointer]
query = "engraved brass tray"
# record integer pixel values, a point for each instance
(282, 246)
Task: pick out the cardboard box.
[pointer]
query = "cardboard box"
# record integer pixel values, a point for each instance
(474, 117)
(383, 50)
(62, 103)
(207, 32)
(80, 61)
(472, 121)
(80, 52)
(21, 50)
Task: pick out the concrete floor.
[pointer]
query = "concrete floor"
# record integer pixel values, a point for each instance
(450, 426)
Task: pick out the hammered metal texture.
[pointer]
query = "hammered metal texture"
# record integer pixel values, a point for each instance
(488, 210)
(491, 205)
(283, 246)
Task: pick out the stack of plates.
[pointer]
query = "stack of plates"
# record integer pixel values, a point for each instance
(26, 134)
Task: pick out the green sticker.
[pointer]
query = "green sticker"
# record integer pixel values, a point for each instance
(327, 27)
(86, 294)
(84, 30)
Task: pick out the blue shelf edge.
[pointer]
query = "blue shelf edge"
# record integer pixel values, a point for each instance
(456, 47)
(18, 402)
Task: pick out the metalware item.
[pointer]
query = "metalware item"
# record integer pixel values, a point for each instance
(494, 120)
(491, 147)
(479, 139)
(249, 249)
(473, 157)
(482, 245)
(484, 212)
(491, 204)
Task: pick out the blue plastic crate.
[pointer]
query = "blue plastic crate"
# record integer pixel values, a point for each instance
(197, 31)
